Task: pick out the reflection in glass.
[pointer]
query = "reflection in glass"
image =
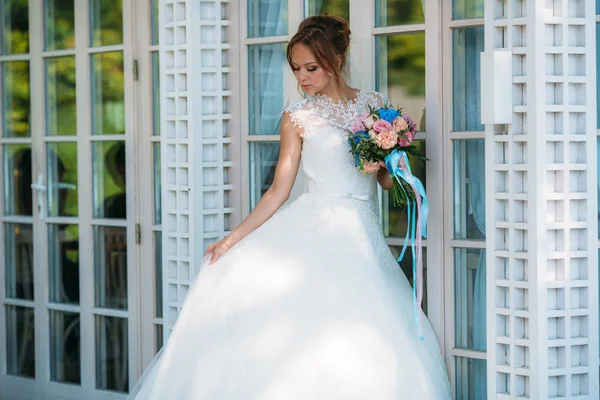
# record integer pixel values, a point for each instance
(158, 281)
(471, 379)
(108, 180)
(61, 110)
(61, 159)
(63, 259)
(263, 161)
(18, 244)
(59, 24)
(395, 219)
(400, 69)
(16, 107)
(467, 44)
(106, 22)
(108, 99)
(112, 356)
(399, 12)
(20, 345)
(406, 267)
(17, 179)
(65, 343)
(157, 185)
(469, 298)
(339, 8)
(154, 20)
(469, 189)
(14, 27)
(155, 94)
(110, 267)
(267, 18)
(266, 63)
(465, 9)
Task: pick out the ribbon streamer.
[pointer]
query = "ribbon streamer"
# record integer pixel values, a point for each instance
(399, 169)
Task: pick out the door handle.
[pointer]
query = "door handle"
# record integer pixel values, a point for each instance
(41, 189)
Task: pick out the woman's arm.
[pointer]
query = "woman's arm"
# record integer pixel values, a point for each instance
(278, 193)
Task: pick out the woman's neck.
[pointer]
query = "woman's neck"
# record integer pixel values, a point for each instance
(331, 92)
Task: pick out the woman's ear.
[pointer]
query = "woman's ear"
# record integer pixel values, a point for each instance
(338, 58)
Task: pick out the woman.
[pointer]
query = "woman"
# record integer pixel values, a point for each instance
(308, 302)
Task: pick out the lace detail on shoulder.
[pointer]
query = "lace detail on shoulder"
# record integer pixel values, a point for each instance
(311, 113)
(302, 115)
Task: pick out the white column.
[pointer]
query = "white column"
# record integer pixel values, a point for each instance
(194, 53)
(541, 197)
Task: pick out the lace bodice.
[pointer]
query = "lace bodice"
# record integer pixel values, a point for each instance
(326, 160)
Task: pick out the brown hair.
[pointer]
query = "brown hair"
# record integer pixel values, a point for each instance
(328, 37)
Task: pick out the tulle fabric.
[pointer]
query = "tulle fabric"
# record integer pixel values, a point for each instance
(311, 305)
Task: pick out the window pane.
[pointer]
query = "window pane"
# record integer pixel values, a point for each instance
(469, 298)
(108, 180)
(155, 94)
(59, 24)
(16, 107)
(471, 379)
(263, 161)
(112, 356)
(18, 242)
(17, 179)
(20, 345)
(469, 189)
(400, 69)
(110, 267)
(108, 99)
(14, 26)
(157, 185)
(339, 8)
(406, 266)
(106, 22)
(63, 259)
(159, 337)
(61, 161)
(158, 281)
(395, 219)
(267, 18)
(266, 63)
(597, 69)
(65, 342)
(61, 110)
(399, 12)
(154, 19)
(464, 9)
(466, 104)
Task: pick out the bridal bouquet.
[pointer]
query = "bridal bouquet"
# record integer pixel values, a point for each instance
(383, 137)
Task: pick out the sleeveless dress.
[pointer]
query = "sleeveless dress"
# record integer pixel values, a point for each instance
(312, 304)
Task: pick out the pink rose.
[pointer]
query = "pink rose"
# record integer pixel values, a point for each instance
(370, 167)
(405, 139)
(357, 126)
(368, 121)
(381, 125)
(400, 124)
(388, 139)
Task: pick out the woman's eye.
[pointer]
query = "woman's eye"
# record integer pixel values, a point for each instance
(313, 69)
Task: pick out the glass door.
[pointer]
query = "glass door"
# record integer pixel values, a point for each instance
(68, 308)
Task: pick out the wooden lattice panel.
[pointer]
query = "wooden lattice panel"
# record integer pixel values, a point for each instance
(541, 191)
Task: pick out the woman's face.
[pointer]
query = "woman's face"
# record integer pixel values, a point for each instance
(311, 76)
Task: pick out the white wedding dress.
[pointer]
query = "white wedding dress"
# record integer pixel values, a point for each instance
(312, 304)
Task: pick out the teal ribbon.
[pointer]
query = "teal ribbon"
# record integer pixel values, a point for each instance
(392, 162)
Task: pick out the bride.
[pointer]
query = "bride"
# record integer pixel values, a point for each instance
(307, 301)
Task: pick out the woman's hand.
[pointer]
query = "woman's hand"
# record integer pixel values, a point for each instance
(218, 249)
(383, 176)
